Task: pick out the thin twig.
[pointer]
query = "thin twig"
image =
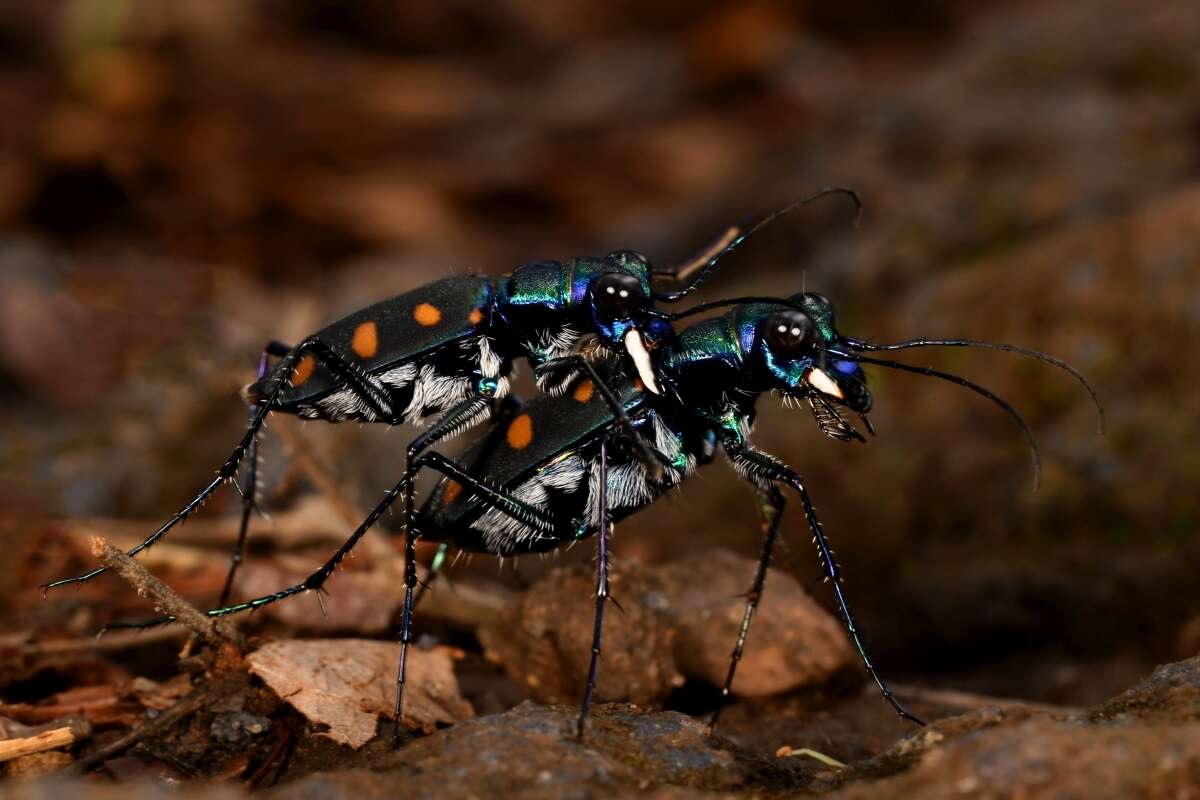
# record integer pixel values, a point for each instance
(807, 752)
(214, 631)
(166, 719)
(110, 642)
(38, 743)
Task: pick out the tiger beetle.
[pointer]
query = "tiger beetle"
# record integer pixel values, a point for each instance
(563, 468)
(445, 352)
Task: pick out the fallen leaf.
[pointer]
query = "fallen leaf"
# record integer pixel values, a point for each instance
(347, 684)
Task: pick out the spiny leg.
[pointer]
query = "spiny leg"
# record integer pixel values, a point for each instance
(601, 586)
(435, 569)
(451, 422)
(771, 504)
(757, 465)
(490, 496)
(354, 379)
(460, 416)
(410, 582)
(506, 410)
(250, 491)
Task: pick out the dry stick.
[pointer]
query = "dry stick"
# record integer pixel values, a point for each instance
(110, 642)
(163, 721)
(46, 740)
(212, 630)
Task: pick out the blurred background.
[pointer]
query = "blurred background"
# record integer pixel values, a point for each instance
(180, 182)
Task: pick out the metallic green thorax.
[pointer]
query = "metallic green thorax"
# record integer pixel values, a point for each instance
(555, 287)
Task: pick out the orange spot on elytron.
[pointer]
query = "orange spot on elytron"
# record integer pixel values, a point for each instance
(451, 492)
(520, 432)
(476, 316)
(583, 392)
(366, 340)
(427, 315)
(637, 384)
(304, 370)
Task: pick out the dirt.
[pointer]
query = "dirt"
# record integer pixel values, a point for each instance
(1144, 743)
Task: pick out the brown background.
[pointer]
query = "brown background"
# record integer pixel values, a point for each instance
(181, 182)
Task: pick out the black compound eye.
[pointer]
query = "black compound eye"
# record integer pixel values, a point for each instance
(790, 334)
(618, 294)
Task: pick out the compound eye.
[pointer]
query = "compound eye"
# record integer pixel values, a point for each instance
(790, 334)
(618, 294)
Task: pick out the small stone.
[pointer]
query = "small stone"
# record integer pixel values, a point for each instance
(238, 727)
(545, 642)
(793, 642)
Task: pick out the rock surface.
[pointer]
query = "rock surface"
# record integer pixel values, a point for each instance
(1144, 743)
(682, 620)
(531, 751)
(1043, 758)
(793, 641)
(546, 640)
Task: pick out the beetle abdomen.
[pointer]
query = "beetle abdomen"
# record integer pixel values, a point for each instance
(424, 350)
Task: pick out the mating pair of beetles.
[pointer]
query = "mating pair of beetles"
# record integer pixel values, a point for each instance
(629, 408)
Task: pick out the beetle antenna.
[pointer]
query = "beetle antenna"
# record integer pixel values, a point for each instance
(859, 344)
(706, 260)
(732, 301)
(974, 387)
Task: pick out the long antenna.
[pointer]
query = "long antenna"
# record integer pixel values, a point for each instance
(859, 344)
(975, 387)
(703, 263)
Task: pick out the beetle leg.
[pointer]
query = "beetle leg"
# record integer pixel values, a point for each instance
(250, 491)
(771, 505)
(489, 496)
(505, 409)
(764, 470)
(601, 587)
(354, 378)
(462, 415)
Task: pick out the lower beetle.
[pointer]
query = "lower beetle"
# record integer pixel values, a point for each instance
(562, 468)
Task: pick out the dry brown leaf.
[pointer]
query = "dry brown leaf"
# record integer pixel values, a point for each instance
(347, 684)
